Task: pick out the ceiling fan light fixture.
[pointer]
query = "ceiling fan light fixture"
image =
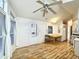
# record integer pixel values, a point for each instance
(54, 20)
(65, 1)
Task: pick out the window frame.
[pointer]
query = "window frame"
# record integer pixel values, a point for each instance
(2, 6)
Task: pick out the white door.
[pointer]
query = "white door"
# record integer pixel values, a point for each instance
(2, 36)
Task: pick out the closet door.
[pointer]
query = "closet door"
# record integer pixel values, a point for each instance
(2, 36)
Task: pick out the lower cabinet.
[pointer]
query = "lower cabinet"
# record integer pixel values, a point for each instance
(76, 46)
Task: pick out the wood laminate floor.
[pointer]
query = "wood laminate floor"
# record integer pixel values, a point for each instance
(58, 50)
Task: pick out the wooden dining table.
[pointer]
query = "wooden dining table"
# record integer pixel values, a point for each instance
(55, 36)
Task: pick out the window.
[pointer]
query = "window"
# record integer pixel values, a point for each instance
(2, 35)
(12, 32)
(1, 3)
(50, 30)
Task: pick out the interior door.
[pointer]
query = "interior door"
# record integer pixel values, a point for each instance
(2, 36)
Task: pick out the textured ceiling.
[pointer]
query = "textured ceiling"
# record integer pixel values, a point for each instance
(25, 8)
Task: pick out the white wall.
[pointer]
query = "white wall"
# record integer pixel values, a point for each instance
(74, 26)
(55, 28)
(69, 27)
(59, 28)
(24, 37)
(23, 30)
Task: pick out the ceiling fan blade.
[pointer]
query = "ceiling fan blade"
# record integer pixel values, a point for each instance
(40, 2)
(37, 10)
(44, 12)
(52, 10)
(58, 2)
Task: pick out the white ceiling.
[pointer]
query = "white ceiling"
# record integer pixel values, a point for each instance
(25, 8)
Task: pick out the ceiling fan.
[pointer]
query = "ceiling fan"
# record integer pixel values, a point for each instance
(46, 7)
